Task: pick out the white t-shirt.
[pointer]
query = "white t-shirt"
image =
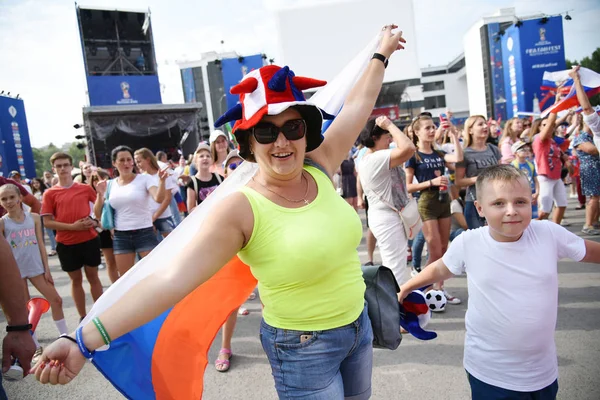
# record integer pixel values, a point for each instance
(513, 301)
(132, 203)
(593, 121)
(170, 184)
(455, 207)
(380, 183)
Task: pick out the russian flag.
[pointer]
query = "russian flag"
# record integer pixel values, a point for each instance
(552, 81)
(166, 358)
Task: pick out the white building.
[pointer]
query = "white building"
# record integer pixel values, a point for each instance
(445, 88)
(337, 31)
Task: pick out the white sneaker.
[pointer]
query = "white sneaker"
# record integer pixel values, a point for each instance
(573, 195)
(451, 299)
(564, 222)
(101, 266)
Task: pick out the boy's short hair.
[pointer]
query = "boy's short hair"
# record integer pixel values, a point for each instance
(501, 172)
(60, 156)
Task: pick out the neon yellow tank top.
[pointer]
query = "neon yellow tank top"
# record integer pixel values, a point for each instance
(306, 260)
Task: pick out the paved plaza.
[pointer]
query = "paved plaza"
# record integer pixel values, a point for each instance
(416, 370)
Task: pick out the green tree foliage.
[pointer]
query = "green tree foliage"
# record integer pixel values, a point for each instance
(77, 153)
(42, 156)
(593, 63)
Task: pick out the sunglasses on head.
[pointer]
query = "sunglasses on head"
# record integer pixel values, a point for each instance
(266, 132)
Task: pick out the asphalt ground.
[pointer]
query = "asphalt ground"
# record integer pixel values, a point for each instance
(416, 370)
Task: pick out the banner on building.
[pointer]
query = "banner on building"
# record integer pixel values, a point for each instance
(233, 70)
(527, 52)
(123, 90)
(15, 147)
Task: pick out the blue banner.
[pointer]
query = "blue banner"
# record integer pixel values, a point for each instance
(15, 147)
(513, 72)
(234, 69)
(123, 90)
(527, 52)
(189, 89)
(497, 71)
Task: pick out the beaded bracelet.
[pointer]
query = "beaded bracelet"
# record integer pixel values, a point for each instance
(102, 330)
(79, 336)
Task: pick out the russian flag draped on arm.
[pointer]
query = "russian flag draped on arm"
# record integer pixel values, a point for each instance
(553, 80)
(166, 358)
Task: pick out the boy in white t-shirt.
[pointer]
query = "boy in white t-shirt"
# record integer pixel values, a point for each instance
(511, 267)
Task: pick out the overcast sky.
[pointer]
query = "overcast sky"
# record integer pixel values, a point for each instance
(41, 59)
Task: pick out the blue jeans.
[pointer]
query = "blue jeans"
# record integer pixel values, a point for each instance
(321, 365)
(51, 238)
(2, 392)
(474, 221)
(455, 233)
(483, 391)
(417, 250)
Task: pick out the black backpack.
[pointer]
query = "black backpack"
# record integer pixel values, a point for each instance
(382, 305)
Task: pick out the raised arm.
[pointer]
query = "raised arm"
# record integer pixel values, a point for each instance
(159, 193)
(582, 98)
(458, 150)
(405, 148)
(344, 130)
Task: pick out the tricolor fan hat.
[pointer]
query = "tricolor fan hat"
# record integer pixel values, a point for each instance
(271, 90)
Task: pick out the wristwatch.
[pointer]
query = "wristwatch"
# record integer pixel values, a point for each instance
(381, 58)
(18, 328)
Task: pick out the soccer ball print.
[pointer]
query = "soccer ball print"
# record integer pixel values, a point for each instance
(436, 300)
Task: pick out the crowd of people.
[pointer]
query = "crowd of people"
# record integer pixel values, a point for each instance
(478, 175)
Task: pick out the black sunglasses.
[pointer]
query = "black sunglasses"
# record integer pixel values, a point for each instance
(266, 133)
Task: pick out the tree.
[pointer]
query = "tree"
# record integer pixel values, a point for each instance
(77, 153)
(592, 63)
(41, 158)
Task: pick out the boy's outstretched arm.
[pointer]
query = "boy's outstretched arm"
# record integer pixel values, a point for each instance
(592, 252)
(433, 273)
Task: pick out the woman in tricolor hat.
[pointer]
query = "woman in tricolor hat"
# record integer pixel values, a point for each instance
(298, 236)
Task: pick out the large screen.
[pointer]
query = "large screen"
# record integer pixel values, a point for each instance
(118, 52)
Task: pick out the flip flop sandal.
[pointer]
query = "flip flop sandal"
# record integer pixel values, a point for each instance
(225, 364)
(243, 311)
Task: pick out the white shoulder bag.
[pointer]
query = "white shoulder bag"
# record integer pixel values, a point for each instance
(409, 214)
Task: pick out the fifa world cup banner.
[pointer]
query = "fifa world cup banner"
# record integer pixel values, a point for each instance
(189, 89)
(527, 52)
(233, 69)
(15, 148)
(123, 90)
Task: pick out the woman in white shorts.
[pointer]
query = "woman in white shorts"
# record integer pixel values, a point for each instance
(548, 162)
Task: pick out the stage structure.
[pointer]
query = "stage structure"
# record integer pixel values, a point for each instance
(173, 128)
(119, 58)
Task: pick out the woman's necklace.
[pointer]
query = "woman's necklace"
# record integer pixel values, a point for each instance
(306, 202)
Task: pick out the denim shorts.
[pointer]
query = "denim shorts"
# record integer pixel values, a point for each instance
(164, 225)
(321, 365)
(134, 241)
